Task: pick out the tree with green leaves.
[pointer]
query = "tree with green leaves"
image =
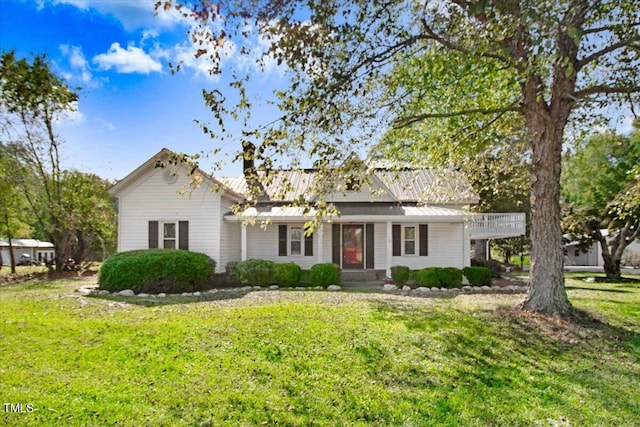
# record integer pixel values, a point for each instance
(14, 220)
(560, 55)
(599, 185)
(64, 205)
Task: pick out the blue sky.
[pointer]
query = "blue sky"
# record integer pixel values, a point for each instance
(118, 53)
(130, 104)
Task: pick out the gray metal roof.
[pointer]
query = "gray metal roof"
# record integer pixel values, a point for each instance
(424, 185)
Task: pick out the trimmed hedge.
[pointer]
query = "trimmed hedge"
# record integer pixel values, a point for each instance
(156, 270)
(400, 274)
(448, 277)
(287, 274)
(325, 275)
(256, 272)
(477, 276)
(493, 265)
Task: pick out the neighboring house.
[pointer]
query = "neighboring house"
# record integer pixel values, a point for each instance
(34, 250)
(591, 255)
(413, 217)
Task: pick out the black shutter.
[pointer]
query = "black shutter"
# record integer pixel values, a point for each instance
(308, 245)
(368, 235)
(183, 235)
(153, 234)
(424, 240)
(282, 240)
(397, 239)
(335, 244)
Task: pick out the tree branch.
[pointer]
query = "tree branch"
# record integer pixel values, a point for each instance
(594, 56)
(604, 90)
(407, 121)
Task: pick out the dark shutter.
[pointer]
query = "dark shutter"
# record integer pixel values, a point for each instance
(308, 245)
(397, 239)
(424, 240)
(335, 244)
(183, 235)
(282, 240)
(368, 235)
(153, 234)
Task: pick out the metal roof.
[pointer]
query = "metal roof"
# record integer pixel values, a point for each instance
(424, 185)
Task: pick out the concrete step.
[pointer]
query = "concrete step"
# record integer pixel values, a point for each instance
(358, 275)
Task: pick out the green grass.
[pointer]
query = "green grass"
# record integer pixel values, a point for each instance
(318, 358)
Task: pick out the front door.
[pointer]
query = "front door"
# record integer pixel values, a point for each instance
(353, 247)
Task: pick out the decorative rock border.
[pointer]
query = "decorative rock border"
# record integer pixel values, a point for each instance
(92, 290)
(422, 291)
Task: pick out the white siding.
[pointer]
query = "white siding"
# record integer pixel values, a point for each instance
(446, 248)
(150, 198)
(262, 243)
(229, 237)
(380, 246)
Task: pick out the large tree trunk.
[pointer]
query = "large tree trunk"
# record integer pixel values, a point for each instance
(546, 293)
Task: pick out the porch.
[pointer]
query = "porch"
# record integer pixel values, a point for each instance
(498, 225)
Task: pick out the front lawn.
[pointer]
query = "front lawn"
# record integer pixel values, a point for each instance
(317, 358)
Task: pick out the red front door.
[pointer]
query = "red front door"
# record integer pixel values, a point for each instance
(353, 247)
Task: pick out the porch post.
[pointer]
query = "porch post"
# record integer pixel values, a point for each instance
(319, 233)
(243, 242)
(389, 248)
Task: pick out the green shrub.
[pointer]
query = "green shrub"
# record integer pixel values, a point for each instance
(478, 276)
(256, 272)
(156, 270)
(232, 269)
(287, 274)
(448, 277)
(451, 277)
(325, 275)
(427, 277)
(493, 265)
(400, 274)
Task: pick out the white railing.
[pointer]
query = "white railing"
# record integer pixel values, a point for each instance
(498, 225)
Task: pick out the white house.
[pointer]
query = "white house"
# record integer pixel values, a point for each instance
(35, 250)
(591, 255)
(415, 218)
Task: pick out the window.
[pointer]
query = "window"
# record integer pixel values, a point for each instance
(409, 240)
(169, 237)
(295, 240)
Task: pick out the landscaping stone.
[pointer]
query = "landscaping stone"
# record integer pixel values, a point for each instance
(186, 294)
(197, 294)
(389, 288)
(257, 288)
(467, 288)
(126, 293)
(318, 288)
(213, 291)
(406, 288)
(422, 289)
(143, 295)
(274, 287)
(162, 295)
(104, 292)
(334, 288)
(434, 289)
(485, 288)
(246, 288)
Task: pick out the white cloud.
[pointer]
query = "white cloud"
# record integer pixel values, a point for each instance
(70, 117)
(80, 69)
(132, 14)
(129, 60)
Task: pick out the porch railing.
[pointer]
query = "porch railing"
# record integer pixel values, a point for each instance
(498, 225)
